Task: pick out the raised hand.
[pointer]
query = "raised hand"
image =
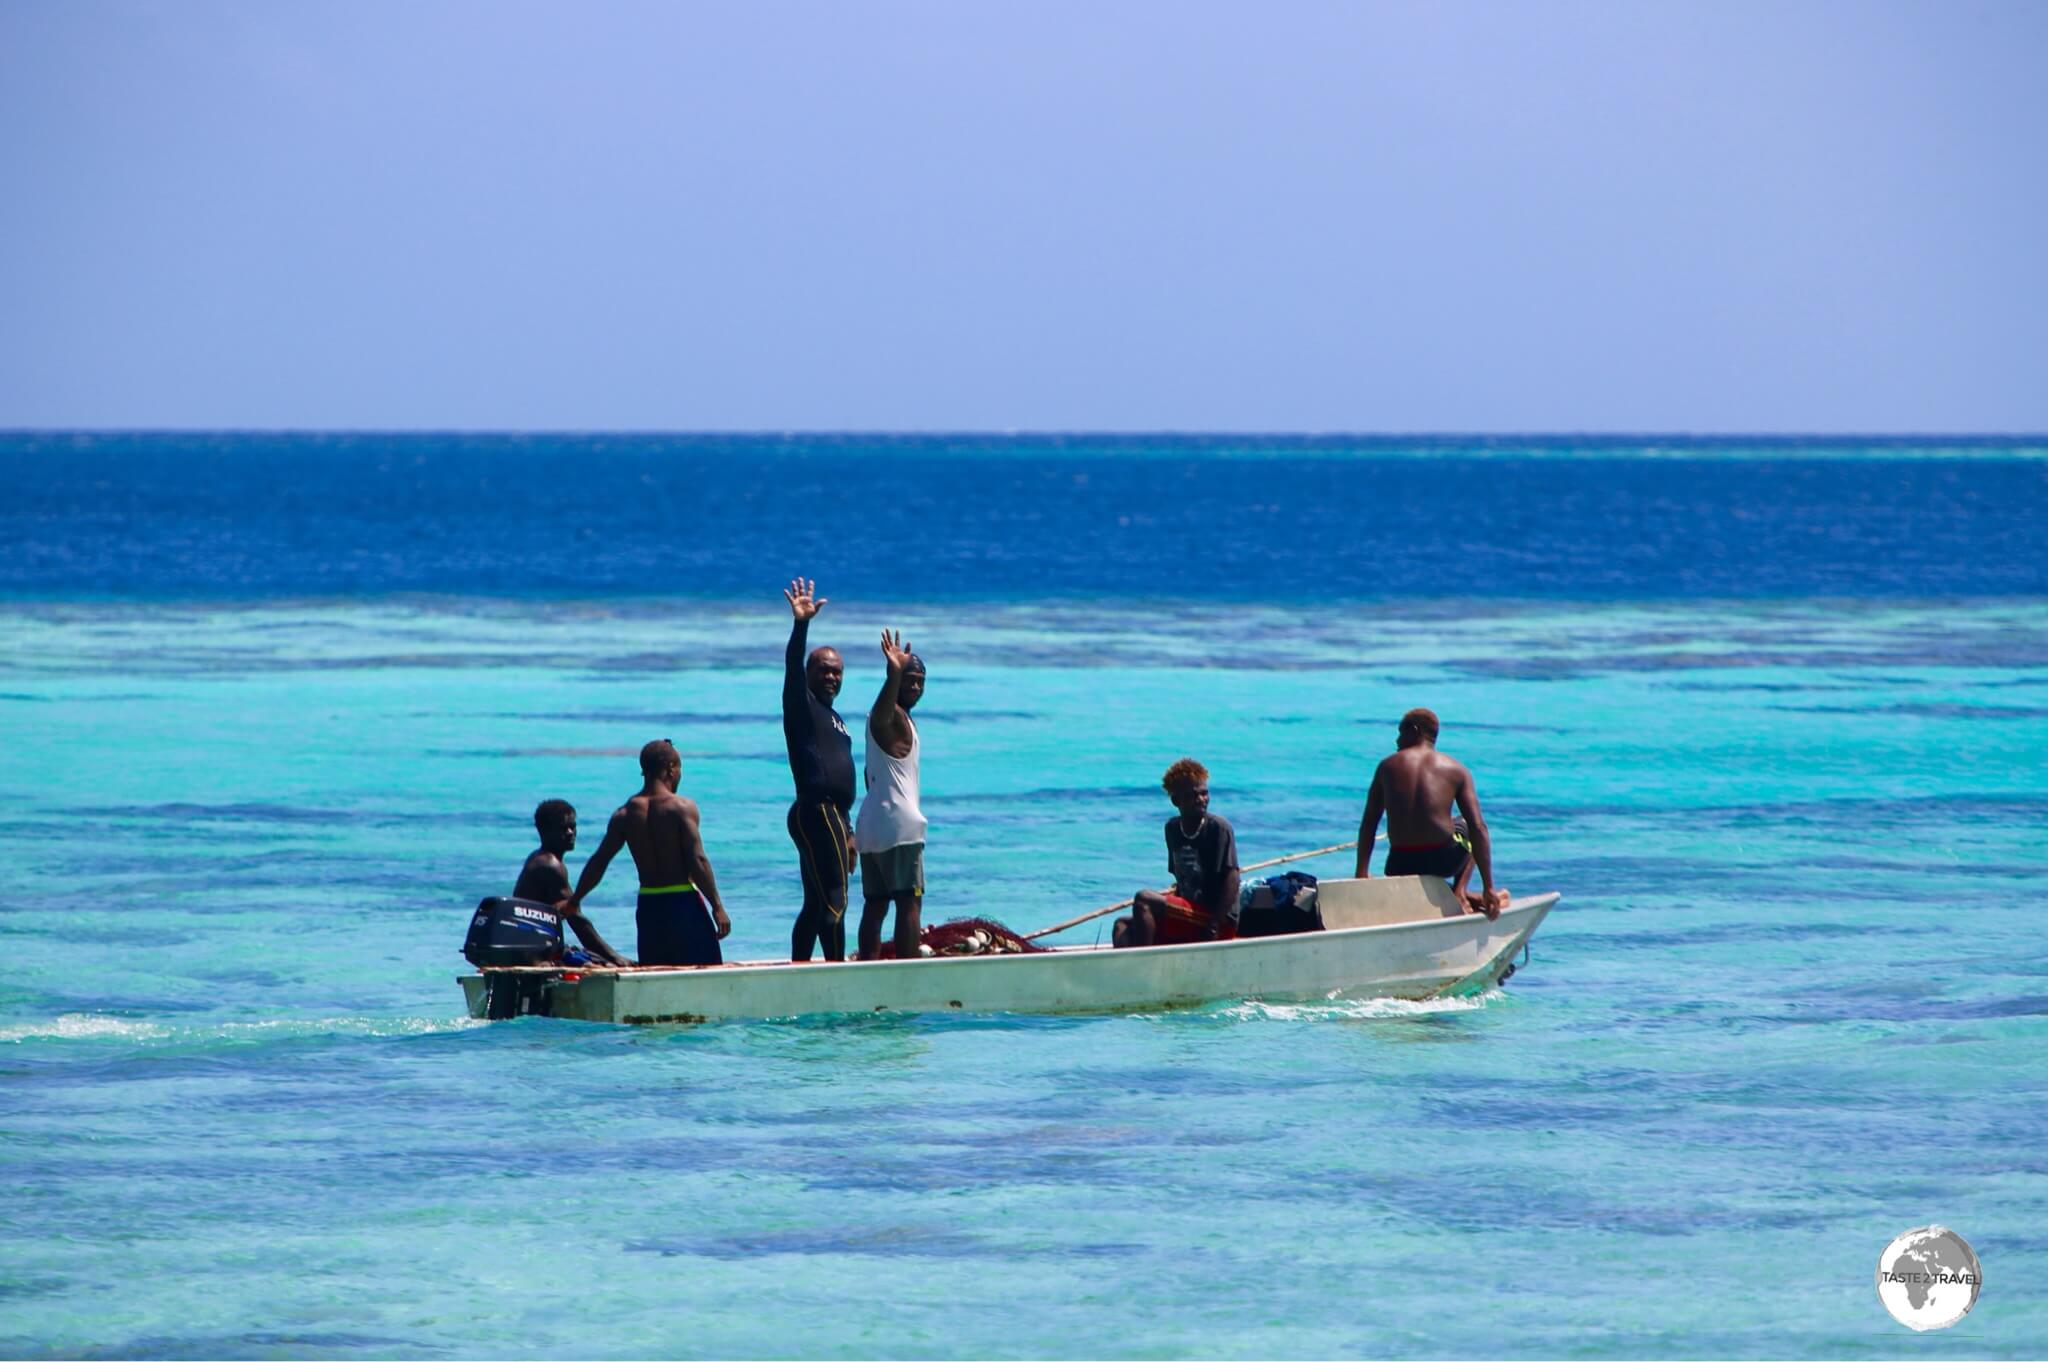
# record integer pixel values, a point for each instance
(895, 651)
(804, 600)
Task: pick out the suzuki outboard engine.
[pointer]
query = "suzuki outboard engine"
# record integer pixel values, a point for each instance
(509, 931)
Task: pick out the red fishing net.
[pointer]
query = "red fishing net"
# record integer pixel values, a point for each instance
(970, 936)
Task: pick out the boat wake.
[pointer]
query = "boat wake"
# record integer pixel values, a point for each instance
(85, 1026)
(1358, 1009)
(77, 1026)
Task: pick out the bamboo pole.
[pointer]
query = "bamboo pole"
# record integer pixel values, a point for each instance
(1261, 865)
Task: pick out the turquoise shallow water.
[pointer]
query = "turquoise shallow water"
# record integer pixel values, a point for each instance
(1793, 1004)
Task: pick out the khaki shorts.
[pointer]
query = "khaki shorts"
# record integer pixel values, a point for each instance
(899, 870)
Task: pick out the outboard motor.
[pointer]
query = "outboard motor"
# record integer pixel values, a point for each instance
(509, 931)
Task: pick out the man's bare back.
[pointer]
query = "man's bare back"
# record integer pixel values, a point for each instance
(661, 830)
(1416, 790)
(1419, 785)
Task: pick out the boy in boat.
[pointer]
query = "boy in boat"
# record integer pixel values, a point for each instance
(544, 879)
(660, 828)
(821, 760)
(1415, 788)
(1201, 852)
(889, 834)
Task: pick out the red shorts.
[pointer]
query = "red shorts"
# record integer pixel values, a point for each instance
(1183, 922)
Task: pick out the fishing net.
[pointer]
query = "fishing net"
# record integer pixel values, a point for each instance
(970, 936)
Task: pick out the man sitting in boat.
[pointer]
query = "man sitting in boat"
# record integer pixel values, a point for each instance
(889, 834)
(1201, 854)
(544, 879)
(1415, 789)
(660, 828)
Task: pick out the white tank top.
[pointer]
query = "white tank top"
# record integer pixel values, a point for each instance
(889, 816)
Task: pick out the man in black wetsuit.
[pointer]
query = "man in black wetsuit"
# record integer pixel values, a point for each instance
(545, 879)
(821, 760)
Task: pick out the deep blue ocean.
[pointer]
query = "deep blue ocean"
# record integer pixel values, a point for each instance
(275, 711)
(1026, 518)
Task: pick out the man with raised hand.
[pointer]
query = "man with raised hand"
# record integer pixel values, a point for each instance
(889, 834)
(821, 762)
(660, 828)
(1415, 789)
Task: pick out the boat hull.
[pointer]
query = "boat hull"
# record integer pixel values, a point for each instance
(1422, 959)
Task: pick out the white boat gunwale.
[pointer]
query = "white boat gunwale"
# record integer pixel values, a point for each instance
(1422, 957)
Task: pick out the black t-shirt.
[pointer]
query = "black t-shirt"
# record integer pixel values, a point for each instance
(1202, 863)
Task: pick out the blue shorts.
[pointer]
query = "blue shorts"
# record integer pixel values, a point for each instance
(676, 928)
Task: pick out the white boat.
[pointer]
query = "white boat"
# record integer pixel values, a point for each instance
(1383, 938)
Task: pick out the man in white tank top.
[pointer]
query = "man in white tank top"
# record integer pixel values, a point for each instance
(889, 832)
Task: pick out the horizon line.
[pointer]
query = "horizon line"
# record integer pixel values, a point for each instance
(1046, 432)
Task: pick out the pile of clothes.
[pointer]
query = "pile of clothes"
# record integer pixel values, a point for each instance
(1280, 906)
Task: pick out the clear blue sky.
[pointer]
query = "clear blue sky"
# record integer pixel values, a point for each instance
(1362, 216)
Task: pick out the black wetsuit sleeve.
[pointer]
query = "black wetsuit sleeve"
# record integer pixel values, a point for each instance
(796, 699)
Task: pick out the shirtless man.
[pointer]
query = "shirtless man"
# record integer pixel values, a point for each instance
(660, 828)
(889, 833)
(1415, 789)
(544, 879)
